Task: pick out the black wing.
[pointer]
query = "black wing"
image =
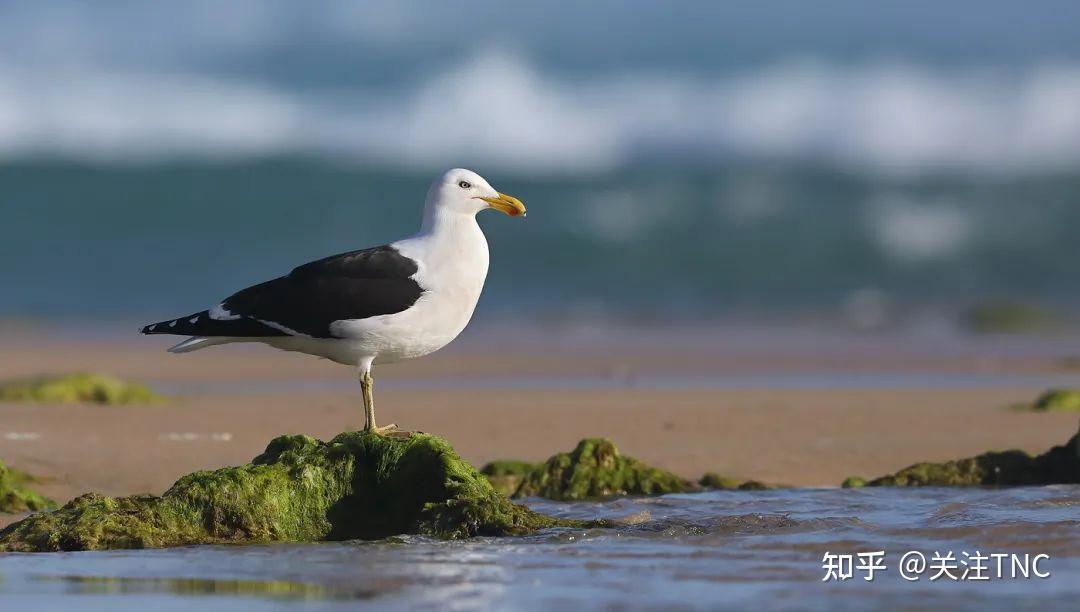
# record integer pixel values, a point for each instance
(353, 285)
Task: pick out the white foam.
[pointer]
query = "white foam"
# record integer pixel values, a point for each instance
(624, 216)
(911, 231)
(499, 111)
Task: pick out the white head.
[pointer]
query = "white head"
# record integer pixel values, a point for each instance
(466, 192)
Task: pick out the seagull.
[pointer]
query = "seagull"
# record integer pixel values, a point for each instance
(387, 303)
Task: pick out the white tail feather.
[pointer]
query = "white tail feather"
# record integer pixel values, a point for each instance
(196, 343)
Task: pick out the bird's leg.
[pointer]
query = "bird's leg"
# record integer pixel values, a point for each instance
(367, 382)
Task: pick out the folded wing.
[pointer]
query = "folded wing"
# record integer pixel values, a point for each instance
(307, 301)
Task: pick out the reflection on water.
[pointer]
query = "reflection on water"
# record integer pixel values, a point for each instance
(118, 585)
(705, 550)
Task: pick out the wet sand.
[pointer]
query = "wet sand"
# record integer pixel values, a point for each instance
(232, 400)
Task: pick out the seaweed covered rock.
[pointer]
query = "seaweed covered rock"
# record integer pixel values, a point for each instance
(1010, 317)
(754, 485)
(853, 482)
(16, 496)
(1059, 465)
(357, 486)
(506, 474)
(712, 480)
(596, 469)
(1058, 400)
(76, 389)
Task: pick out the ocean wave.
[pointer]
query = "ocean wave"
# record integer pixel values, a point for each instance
(499, 110)
(912, 231)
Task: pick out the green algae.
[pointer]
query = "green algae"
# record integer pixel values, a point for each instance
(357, 486)
(83, 388)
(595, 468)
(506, 474)
(17, 496)
(1059, 465)
(1058, 400)
(1010, 317)
(853, 482)
(712, 480)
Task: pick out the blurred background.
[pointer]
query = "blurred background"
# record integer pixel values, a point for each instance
(913, 166)
(773, 240)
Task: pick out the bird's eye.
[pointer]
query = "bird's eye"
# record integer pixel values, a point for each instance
(464, 184)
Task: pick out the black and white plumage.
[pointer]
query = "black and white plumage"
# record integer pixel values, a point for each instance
(387, 303)
(307, 301)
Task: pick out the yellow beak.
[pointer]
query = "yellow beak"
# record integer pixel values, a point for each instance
(507, 204)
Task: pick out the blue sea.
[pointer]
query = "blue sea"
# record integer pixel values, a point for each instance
(93, 241)
(701, 159)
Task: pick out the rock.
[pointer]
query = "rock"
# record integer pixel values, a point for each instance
(596, 469)
(712, 480)
(15, 496)
(506, 474)
(853, 482)
(1058, 400)
(1059, 465)
(1010, 317)
(357, 486)
(75, 389)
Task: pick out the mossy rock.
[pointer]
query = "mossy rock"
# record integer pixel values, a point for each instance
(596, 469)
(853, 482)
(16, 496)
(357, 486)
(506, 474)
(77, 389)
(1059, 465)
(1010, 317)
(712, 480)
(1058, 400)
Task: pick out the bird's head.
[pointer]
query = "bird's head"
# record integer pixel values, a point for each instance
(464, 191)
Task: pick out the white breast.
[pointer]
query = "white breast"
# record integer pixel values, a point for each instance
(452, 266)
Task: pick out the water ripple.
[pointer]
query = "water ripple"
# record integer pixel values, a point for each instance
(695, 551)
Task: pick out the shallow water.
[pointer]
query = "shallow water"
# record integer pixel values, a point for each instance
(706, 550)
(133, 241)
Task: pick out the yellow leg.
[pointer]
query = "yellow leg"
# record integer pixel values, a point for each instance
(367, 383)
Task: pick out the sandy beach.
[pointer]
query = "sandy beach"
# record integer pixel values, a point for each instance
(808, 415)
